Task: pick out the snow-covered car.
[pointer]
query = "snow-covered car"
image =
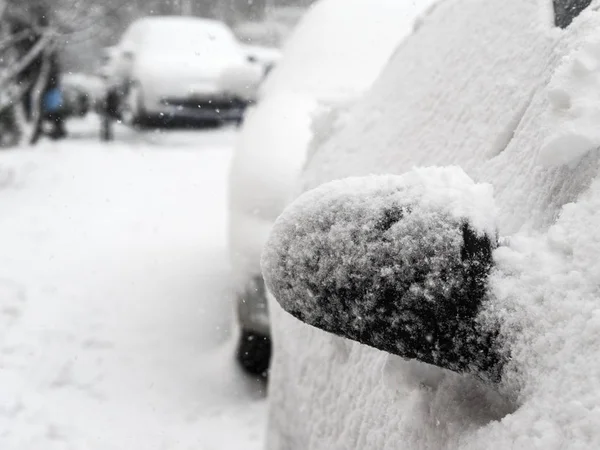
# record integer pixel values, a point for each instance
(436, 284)
(176, 67)
(334, 55)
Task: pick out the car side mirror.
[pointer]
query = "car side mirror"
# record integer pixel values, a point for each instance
(399, 263)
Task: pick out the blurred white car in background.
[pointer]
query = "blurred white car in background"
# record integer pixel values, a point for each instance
(174, 67)
(333, 56)
(396, 346)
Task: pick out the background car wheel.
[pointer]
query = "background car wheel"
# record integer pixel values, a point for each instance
(132, 109)
(254, 353)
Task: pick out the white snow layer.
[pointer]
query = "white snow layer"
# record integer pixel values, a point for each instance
(448, 189)
(476, 87)
(574, 112)
(340, 46)
(114, 297)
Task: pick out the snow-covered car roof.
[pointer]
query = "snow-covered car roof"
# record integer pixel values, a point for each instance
(180, 33)
(509, 92)
(180, 22)
(339, 45)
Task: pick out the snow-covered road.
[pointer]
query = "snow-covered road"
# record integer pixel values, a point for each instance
(115, 313)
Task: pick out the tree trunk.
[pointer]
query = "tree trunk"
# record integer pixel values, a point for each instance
(37, 99)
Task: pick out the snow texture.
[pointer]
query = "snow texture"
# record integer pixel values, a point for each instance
(471, 87)
(397, 263)
(114, 296)
(574, 113)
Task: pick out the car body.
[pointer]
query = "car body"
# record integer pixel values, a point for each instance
(173, 67)
(326, 63)
(503, 93)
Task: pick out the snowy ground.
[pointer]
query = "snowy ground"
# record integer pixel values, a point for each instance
(115, 313)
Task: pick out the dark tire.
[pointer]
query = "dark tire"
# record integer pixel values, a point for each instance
(254, 353)
(108, 111)
(106, 129)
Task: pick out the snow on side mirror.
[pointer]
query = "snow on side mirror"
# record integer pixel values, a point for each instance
(241, 81)
(399, 263)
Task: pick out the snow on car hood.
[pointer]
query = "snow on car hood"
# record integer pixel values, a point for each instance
(339, 47)
(472, 87)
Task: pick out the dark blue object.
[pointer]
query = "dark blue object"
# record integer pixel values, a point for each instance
(53, 100)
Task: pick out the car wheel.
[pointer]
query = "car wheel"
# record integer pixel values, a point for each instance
(132, 108)
(254, 353)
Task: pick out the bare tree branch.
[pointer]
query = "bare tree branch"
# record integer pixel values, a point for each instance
(14, 39)
(37, 99)
(36, 50)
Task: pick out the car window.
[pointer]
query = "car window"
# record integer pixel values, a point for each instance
(566, 10)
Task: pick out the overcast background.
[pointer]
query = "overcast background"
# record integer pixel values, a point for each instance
(88, 26)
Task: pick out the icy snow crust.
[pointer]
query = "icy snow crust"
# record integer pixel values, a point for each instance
(417, 249)
(472, 87)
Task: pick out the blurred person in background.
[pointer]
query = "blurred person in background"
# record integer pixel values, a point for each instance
(53, 111)
(41, 75)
